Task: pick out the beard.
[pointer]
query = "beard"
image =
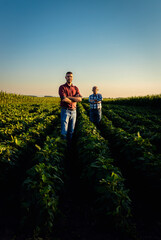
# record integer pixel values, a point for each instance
(69, 81)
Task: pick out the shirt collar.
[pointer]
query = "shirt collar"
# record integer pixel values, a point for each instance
(68, 85)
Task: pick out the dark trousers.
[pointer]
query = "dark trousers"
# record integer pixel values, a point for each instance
(95, 115)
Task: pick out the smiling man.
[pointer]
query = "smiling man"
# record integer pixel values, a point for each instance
(69, 95)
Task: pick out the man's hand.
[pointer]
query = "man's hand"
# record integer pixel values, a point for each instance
(75, 99)
(67, 100)
(95, 101)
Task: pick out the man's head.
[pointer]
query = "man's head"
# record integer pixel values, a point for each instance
(95, 89)
(69, 77)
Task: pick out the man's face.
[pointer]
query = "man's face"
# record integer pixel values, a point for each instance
(95, 90)
(69, 78)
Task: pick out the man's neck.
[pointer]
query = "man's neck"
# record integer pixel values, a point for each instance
(69, 84)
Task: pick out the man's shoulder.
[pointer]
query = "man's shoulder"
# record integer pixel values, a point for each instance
(63, 85)
(74, 86)
(91, 95)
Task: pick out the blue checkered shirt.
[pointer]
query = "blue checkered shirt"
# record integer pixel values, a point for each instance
(97, 97)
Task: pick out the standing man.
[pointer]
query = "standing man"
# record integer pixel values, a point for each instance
(95, 106)
(69, 95)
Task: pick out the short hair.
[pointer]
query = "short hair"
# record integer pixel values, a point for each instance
(94, 87)
(69, 73)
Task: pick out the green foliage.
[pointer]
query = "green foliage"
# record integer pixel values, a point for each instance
(149, 100)
(25, 123)
(44, 185)
(29, 137)
(105, 181)
(134, 150)
(7, 98)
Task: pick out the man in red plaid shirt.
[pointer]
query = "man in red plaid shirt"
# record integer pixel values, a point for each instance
(69, 95)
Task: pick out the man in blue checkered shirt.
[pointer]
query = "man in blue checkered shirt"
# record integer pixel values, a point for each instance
(95, 106)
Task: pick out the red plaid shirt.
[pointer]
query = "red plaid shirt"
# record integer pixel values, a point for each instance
(64, 91)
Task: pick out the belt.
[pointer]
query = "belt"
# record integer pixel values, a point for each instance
(71, 109)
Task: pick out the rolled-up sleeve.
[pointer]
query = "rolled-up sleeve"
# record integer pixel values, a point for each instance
(100, 97)
(78, 93)
(62, 93)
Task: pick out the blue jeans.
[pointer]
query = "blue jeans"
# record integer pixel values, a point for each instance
(68, 120)
(95, 115)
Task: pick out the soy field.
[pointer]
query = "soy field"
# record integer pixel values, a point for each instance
(107, 185)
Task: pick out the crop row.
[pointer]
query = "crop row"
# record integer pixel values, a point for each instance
(138, 125)
(151, 134)
(43, 186)
(11, 152)
(135, 153)
(136, 119)
(109, 197)
(150, 101)
(21, 124)
(148, 113)
(23, 112)
(140, 166)
(10, 98)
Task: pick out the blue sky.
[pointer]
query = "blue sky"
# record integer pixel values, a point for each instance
(114, 44)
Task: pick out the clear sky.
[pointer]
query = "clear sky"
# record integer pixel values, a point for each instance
(114, 44)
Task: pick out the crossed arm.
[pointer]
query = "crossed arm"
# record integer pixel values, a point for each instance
(69, 99)
(94, 101)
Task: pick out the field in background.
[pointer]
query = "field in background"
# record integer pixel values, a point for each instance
(108, 185)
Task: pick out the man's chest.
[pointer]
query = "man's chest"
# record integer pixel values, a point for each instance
(70, 91)
(94, 97)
